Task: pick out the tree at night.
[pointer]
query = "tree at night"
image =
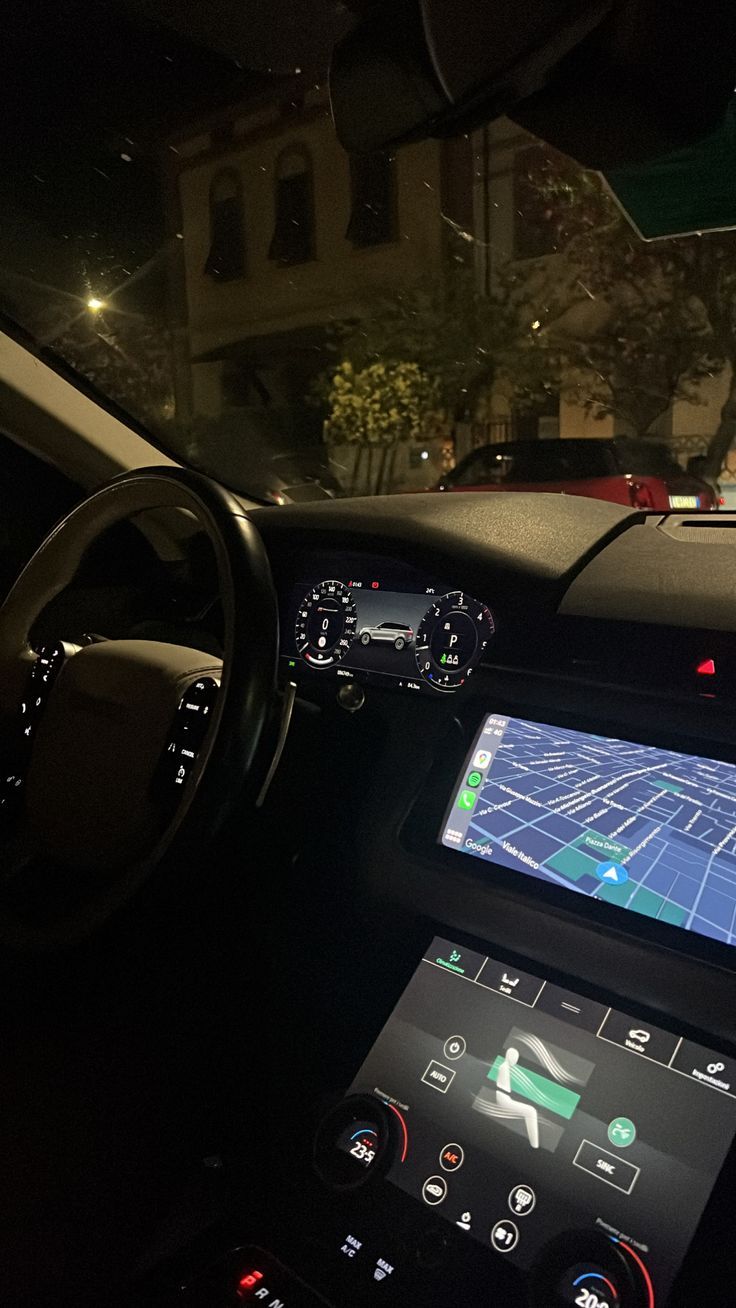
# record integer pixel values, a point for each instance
(629, 326)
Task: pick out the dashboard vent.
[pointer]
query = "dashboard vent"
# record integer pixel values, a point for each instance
(708, 529)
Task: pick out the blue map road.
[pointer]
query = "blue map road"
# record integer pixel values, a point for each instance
(569, 808)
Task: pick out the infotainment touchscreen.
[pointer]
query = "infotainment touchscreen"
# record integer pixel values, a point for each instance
(644, 828)
(529, 1110)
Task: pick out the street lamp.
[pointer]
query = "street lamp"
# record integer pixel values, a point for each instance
(95, 304)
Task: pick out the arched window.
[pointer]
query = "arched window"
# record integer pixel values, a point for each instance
(373, 213)
(226, 258)
(293, 233)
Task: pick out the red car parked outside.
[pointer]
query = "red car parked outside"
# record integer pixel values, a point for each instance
(643, 474)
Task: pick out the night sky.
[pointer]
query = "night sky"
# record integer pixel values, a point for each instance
(89, 98)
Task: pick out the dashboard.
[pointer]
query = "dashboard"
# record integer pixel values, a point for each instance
(500, 1064)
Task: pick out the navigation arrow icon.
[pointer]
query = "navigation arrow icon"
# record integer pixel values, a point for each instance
(614, 874)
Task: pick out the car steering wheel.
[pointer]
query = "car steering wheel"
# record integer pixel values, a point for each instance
(119, 754)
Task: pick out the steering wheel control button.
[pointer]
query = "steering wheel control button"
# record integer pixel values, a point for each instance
(39, 684)
(607, 1167)
(41, 678)
(434, 1190)
(522, 1200)
(505, 1236)
(452, 1158)
(454, 1047)
(195, 708)
(193, 717)
(439, 1077)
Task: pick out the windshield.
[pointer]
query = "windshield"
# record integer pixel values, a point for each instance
(185, 232)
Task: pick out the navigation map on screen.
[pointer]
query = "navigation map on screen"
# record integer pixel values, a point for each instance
(644, 828)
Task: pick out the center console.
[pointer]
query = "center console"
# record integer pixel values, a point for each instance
(501, 1132)
(579, 1143)
(506, 1140)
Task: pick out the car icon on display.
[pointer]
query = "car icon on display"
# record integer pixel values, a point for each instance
(387, 633)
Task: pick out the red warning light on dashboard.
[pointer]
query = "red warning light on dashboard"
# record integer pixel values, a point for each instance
(707, 668)
(248, 1282)
(375, 585)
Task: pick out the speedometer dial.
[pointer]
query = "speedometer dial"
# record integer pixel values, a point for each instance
(325, 624)
(451, 639)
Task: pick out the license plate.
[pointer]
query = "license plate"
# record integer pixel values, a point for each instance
(684, 501)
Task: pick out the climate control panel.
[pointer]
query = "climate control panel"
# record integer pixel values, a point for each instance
(540, 1124)
(507, 1140)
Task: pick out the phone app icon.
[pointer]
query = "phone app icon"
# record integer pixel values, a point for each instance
(482, 759)
(466, 800)
(474, 779)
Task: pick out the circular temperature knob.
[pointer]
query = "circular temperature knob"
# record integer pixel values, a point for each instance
(357, 1141)
(587, 1269)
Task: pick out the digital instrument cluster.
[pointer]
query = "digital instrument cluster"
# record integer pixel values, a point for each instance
(386, 629)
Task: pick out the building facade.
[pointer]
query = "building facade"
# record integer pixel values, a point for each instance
(277, 236)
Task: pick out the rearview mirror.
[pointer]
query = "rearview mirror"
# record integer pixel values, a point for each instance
(608, 81)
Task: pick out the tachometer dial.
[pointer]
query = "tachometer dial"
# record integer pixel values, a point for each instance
(451, 638)
(325, 624)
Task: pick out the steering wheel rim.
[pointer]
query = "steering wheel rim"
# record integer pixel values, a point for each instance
(248, 680)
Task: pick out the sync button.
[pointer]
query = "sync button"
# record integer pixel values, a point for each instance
(607, 1167)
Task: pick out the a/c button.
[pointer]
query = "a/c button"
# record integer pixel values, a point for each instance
(452, 1157)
